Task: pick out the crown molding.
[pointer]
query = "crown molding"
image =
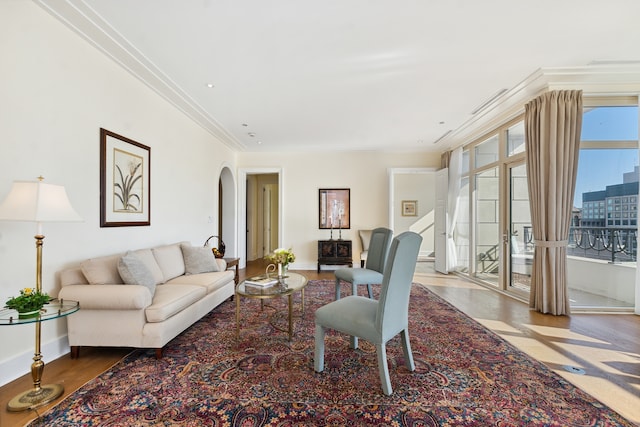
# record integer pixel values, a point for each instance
(87, 23)
(594, 80)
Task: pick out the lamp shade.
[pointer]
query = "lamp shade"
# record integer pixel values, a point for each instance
(35, 201)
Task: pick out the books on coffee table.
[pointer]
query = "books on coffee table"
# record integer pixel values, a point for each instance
(261, 281)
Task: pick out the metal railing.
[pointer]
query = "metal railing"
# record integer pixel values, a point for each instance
(613, 244)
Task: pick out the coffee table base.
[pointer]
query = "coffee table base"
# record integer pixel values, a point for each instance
(290, 301)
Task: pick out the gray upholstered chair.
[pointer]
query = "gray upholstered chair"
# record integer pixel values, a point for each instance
(374, 269)
(376, 321)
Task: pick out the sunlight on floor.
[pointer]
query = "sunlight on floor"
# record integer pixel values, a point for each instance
(549, 331)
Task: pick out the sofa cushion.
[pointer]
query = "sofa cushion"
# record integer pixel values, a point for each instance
(210, 281)
(134, 272)
(170, 260)
(147, 258)
(107, 297)
(198, 259)
(102, 270)
(169, 300)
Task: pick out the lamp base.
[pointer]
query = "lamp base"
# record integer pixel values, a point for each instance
(34, 398)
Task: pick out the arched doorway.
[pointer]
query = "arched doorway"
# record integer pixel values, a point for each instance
(226, 227)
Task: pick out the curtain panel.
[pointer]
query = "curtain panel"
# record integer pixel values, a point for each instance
(553, 122)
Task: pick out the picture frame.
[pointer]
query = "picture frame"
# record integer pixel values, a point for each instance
(409, 208)
(334, 210)
(125, 181)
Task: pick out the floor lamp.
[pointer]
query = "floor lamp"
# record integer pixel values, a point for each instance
(35, 201)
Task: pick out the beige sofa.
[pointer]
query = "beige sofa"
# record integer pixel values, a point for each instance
(143, 298)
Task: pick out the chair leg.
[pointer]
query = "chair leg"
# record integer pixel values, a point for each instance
(406, 349)
(318, 359)
(369, 290)
(337, 289)
(354, 342)
(383, 368)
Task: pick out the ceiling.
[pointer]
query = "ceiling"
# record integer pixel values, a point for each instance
(392, 75)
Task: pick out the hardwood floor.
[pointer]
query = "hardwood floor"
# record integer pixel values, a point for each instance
(605, 346)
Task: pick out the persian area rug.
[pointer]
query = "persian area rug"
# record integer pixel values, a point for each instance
(465, 376)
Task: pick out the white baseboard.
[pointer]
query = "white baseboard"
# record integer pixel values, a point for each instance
(20, 364)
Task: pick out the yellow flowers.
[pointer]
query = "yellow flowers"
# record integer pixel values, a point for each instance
(281, 256)
(28, 300)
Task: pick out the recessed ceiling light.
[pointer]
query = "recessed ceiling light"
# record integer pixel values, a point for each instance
(251, 134)
(259, 142)
(210, 85)
(441, 122)
(245, 125)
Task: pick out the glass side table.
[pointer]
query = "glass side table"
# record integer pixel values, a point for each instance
(291, 283)
(40, 394)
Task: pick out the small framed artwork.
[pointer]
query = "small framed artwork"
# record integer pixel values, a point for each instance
(334, 209)
(409, 208)
(124, 181)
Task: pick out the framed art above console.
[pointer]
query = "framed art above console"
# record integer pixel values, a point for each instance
(334, 208)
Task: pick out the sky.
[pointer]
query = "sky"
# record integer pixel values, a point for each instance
(598, 168)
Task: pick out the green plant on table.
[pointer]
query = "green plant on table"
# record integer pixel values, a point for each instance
(28, 300)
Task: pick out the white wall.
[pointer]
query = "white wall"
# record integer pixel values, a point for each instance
(57, 91)
(364, 173)
(420, 187)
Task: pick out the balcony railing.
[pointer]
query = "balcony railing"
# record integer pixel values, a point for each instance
(613, 244)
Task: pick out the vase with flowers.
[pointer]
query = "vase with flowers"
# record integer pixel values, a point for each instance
(28, 303)
(281, 257)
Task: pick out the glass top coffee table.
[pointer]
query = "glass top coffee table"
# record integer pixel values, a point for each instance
(291, 283)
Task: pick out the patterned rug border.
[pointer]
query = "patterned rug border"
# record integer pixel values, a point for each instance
(299, 411)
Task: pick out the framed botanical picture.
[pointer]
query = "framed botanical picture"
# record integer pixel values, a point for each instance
(334, 209)
(125, 171)
(409, 208)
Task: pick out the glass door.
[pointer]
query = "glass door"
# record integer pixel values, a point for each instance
(487, 226)
(518, 237)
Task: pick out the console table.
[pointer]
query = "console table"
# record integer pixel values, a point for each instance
(334, 252)
(39, 394)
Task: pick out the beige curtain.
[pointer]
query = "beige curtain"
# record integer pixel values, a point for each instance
(552, 127)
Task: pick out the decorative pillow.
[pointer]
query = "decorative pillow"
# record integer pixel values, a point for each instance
(199, 259)
(170, 260)
(147, 258)
(102, 270)
(134, 272)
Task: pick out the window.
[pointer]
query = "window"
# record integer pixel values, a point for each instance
(486, 152)
(515, 139)
(607, 176)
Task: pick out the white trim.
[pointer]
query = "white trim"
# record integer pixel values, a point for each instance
(20, 364)
(87, 23)
(593, 80)
(242, 208)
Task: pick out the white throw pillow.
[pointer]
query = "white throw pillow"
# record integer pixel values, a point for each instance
(199, 259)
(102, 270)
(170, 260)
(134, 272)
